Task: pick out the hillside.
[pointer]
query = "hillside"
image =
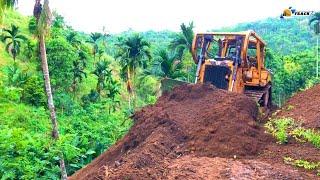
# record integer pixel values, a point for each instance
(283, 36)
(99, 81)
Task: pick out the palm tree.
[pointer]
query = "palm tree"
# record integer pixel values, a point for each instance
(113, 88)
(78, 74)
(167, 66)
(183, 40)
(94, 39)
(103, 73)
(44, 18)
(73, 39)
(315, 22)
(133, 53)
(100, 53)
(14, 40)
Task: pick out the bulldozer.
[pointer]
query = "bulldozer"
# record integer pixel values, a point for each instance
(233, 61)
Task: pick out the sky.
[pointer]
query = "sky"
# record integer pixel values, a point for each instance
(142, 15)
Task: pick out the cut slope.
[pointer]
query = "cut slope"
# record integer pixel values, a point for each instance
(197, 120)
(304, 107)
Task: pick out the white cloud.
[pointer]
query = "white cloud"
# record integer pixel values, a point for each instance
(141, 15)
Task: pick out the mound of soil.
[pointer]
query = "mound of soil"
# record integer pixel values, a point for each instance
(304, 107)
(196, 132)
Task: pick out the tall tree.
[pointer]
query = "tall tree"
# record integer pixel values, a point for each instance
(78, 74)
(133, 53)
(315, 25)
(103, 73)
(167, 65)
(14, 39)
(183, 41)
(44, 19)
(73, 39)
(94, 41)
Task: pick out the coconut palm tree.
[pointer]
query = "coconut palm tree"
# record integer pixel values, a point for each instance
(94, 39)
(103, 73)
(132, 53)
(314, 22)
(14, 40)
(44, 19)
(78, 74)
(167, 66)
(113, 88)
(183, 40)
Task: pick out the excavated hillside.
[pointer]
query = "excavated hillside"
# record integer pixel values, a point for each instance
(304, 107)
(198, 132)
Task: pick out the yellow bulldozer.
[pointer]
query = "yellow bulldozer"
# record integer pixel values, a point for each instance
(234, 61)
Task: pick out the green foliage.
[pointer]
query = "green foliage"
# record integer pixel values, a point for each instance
(133, 52)
(32, 26)
(303, 164)
(278, 128)
(167, 66)
(61, 56)
(183, 41)
(307, 134)
(13, 38)
(33, 92)
(284, 128)
(15, 76)
(148, 90)
(103, 74)
(94, 40)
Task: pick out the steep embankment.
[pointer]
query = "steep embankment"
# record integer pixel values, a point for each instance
(195, 132)
(304, 107)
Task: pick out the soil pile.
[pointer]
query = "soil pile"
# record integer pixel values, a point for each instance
(195, 132)
(192, 119)
(304, 107)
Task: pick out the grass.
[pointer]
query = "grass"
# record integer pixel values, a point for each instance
(279, 129)
(300, 163)
(284, 128)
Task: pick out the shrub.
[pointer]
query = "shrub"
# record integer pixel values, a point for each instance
(279, 128)
(33, 92)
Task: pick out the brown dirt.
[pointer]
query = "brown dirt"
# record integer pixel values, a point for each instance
(304, 107)
(223, 168)
(196, 132)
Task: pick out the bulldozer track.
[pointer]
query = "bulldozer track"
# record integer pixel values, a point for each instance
(255, 95)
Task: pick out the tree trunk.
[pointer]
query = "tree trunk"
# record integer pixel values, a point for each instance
(129, 89)
(53, 117)
(317, 56)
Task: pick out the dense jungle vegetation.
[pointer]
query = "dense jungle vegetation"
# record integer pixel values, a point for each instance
(98, 80)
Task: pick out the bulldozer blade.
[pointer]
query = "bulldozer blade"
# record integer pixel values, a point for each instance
(168, 84)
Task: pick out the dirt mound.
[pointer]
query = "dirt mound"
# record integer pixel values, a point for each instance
(194, 130)
(198, 120)
(304, 107)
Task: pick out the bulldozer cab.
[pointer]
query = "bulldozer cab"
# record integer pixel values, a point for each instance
(223, 46)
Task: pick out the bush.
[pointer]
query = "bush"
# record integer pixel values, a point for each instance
(279, 128)
(33, 92)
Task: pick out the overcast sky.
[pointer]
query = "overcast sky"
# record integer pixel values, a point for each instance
(142, 15)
